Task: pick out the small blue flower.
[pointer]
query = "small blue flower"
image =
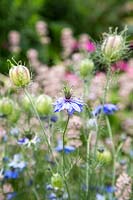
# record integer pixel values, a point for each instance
(11, 174)
(5, 159)
(29, 142)
(71, 105)
(54, 118)
(100, 197)
(11, 195)
(17, 162)
(67, 149)
(107, 109)
(23, 141)
(49, 187)
(109, 189)
(52, 196)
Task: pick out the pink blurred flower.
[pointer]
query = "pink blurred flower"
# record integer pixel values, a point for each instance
(121, 65)
(130, 71)
(90, 46)
(72, 79)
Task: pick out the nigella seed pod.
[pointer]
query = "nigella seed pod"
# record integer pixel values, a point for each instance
(6, 106)
(86, 67)
(26, 104)
(104, 156)
(112, 47)
(56, 181)
(20, 75)
(44, 105)
(14, 116)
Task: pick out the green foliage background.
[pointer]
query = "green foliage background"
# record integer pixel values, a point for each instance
(90, 16)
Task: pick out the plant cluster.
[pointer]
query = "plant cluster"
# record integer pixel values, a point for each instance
(71, 145)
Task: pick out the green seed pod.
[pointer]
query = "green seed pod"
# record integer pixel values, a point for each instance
(56, 181)
(14, 116)
(26, 104)
(6, 106)
(20, 75)
(104, 156)
(44, 105)
(86, 67)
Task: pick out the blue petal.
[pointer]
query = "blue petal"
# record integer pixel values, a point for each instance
(69, 149)
(97, 110)
(76, 107)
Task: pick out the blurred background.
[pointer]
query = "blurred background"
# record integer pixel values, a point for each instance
(37, 25)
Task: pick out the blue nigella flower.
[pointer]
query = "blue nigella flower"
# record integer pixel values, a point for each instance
(17, 162)
(29, 142)
(107, 109)
(11, 195)
(23, 141)
(71, 104)
(52, 196)
(54, 118)
(11, 174)
(100, 197)
(109, 189)
(49, 187)
(67, 149)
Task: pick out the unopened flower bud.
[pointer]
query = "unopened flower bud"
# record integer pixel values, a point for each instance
(112, 47)
(26, 103)
(19, 75)
(86, 67)
(56, 181)
(14, 116)
(44, 104)
(67, 92)
(104, 156)
(6, 106)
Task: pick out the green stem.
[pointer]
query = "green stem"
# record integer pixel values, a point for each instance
(103, 102)
(64, 142)
(35, 193)
(113, 149)
(87, 166)
(40, 122)
(106, 85)
(63, 156)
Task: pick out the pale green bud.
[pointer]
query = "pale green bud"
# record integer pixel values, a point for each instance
(26, 104)
(6, 106)
(86, 67)
(104, 156)
(14, 116)
(44, 104)
(56, 181)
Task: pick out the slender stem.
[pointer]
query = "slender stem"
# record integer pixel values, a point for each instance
(97, 137)
(106, 85)
(103, 102)
(63, 156)
(113, 149)
(87, 166)
(40, 122)
(64, 142)
(35, 193)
